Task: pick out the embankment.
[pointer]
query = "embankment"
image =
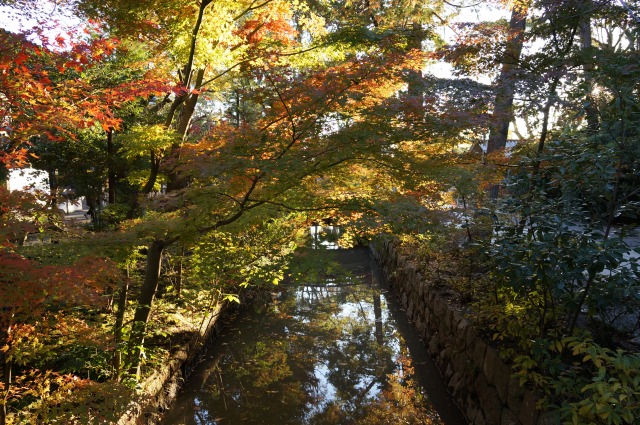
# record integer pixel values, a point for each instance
(480, 382)
(160, 389)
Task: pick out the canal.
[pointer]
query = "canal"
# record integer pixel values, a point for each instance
(324, 349)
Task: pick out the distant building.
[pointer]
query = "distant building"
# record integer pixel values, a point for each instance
(30, 179)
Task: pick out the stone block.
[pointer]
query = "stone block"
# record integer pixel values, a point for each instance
(479, 385)
(439, 307)
(426, 332)
(461, 335)
(421, 308)
(471, 342)
(448, 373)
(456, 383)
(411, 274)
(489, 400)
(456, 318)
(528, 414)
(471, 413)
(479, 352)
(448, 318)
(458, 360)
(509, 418)
(546, 419)
(501, 377)
(424, 329)
(433, 344)
(514, 395)
(489, 364)
(443, 355)
(472, 409)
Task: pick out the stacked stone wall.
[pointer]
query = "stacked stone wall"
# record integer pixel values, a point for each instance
(160, 389)
(480, 382)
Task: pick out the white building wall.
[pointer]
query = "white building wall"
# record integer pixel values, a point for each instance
(30, 179)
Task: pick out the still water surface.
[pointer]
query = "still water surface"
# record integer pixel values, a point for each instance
(323, 351)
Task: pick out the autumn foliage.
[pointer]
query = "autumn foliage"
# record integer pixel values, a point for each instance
(45, 91)
(48, 94)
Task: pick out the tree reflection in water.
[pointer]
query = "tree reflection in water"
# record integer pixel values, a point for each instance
(320, 353)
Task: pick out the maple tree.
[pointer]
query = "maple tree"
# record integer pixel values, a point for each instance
(48, 94)
(36, 318)
(248, 121)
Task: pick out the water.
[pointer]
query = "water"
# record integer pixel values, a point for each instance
(323, 351)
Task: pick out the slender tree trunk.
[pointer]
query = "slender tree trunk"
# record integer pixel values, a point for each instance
(53, 187)
(180, 272)
(153, 174)
(591, 111)
(190, 106)
(545, 122)
(117, 329)
(4, 176)
(156, 248)
(149, 185)
(7, 368)
(188, 69)
(191, 99)
(505, 86)
(111, 175)
(237, 93)
(145, 301)
(154, 160)
(174, 182)
(415, 87)
(173, 108)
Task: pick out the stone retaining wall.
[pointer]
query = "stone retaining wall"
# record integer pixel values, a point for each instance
(480, 382)
(160, 389)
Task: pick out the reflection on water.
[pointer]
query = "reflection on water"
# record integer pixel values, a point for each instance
(325, 237)
(319, 353)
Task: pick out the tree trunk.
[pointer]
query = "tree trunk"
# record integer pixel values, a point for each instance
(53, 187)
(111, 175)
(117, 328)
(148, 187)
(591, 111)
(415, 87)
(189, 106)
(145, 301)
(505, 86)
(153, 174)
(545, 122)
(7, 365)
(156, 248)
(174, 182)
(180, 274)
(237, 117)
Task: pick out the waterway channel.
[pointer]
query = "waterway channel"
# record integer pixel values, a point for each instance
(322, 350)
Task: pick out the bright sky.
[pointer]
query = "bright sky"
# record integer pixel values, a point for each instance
(13, 20)
(480, 12)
